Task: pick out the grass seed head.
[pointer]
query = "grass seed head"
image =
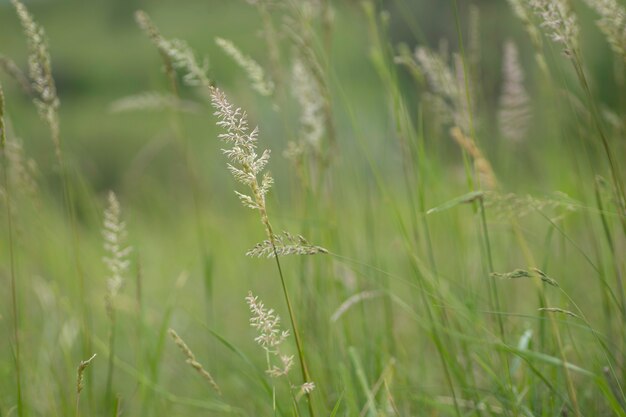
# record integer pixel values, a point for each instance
(270, 336)
(253, 70)
(559, 22)
(191, 360)
(116, 260)
(40, 73)
(80, 373)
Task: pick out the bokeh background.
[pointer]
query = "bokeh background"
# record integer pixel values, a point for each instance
(99, 56)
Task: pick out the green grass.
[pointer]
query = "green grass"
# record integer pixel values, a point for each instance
(413, 310)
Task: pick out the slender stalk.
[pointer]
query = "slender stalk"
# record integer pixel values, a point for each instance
(606, 146)
(47, 103)
(14, 304)
(553, 325)
(303, 367)
(80, 373)
(110, 368)
(492, 287)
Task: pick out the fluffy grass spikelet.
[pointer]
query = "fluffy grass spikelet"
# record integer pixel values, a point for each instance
(39, 67)
(246, 166)
(306, 91)
(253, 70)
(40, 72)
(439, 76)
(182, 57)
(176, 53)
(270, 336)
(304, 389)
(447, 83)
(114, 234)
(285, 244)
(308, 387)
(559, 22)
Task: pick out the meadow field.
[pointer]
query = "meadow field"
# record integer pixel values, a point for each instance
(313, 208)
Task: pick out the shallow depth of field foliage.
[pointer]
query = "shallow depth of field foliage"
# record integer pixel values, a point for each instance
(313, 208)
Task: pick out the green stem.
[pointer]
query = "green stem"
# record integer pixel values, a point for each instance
(109, 384)
(7, 186)
(614, 168)
(305, 371)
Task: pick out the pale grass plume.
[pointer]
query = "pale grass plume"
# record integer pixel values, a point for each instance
(40, 72)
(482, 167)
(145, 23)
(307, 92)
(260, 82)
(439, 76)
(176, 53)
(155, 101)
(446, 83)
(117, 252)
(305, 389)
(191, 360)
(559, 22)
(299, 26)
(247, 167)
(270, 336)
(285, 244)
(612, 23)
(162, 45)
(183, 58)
(514, 114)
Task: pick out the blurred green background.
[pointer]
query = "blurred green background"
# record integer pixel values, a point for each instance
(99, 55)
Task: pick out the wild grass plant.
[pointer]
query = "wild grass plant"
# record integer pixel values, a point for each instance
(468, 233)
